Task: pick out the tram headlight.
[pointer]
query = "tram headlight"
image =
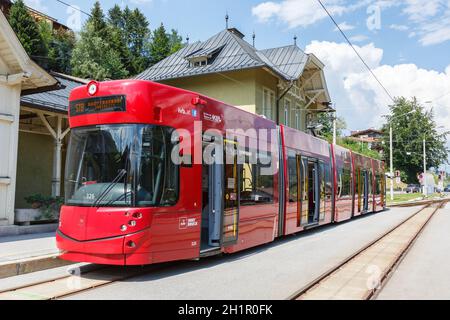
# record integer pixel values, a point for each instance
(123, 228)
(132, 223)
(92, 87)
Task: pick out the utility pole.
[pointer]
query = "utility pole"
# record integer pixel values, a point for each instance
(425, 189)
(391, 161)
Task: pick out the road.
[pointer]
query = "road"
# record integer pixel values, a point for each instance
(272, 271)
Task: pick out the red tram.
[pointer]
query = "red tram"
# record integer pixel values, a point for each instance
(128, 203)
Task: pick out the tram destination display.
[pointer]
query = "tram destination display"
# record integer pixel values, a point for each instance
(116, 103)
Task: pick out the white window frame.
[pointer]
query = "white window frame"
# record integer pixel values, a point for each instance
(271, 95)
(286, 111)
(297, 116)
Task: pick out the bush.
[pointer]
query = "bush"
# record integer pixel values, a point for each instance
(47, 205)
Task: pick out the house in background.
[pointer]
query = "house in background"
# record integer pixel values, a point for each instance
(5, 6)
(372, 137)
(283, 84)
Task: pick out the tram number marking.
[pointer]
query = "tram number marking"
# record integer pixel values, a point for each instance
(90, 196)
(185, 223)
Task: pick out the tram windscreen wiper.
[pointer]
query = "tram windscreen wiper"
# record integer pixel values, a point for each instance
(112, 184)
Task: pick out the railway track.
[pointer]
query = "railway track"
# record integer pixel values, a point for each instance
(348, 280)
(75, 282)
(362, 275)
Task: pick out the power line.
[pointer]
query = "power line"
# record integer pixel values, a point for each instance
(75, 8)
(357, 53)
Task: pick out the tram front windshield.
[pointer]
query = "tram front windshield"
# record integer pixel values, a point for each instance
(121, 165)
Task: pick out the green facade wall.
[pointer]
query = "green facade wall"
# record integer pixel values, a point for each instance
(34, 166)
(243, 88)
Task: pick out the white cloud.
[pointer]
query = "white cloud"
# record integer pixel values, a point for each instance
(361, 100)
(429, 20)
(399, 27)
(297, 13)
(344, 26)
(359, 38)
(141, 2)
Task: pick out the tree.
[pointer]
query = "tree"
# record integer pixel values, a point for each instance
(411, 123)
(160, 46)
(136, 34)
(97, 21)
(175, 41)
(326, 120)
(27, 30)
(93, 56)
(60, 52)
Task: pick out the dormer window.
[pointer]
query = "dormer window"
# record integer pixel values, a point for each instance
(198, 63)
(203, 57)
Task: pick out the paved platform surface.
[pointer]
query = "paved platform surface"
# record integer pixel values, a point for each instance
(271, 271)
(14, 248)
(424, 273)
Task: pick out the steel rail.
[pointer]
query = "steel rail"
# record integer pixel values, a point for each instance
(298, 294)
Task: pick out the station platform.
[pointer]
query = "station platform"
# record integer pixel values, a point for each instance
(424, 272)
(28, 253)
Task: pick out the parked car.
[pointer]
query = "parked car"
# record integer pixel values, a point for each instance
(447, 188)
(412, 188)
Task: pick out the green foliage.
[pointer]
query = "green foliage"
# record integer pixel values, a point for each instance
(97, 21)
(49, 206)
(176, 41)
(164, 44)
(359, 147)
(160, 46)
(95, 58)
(112, 47)
(60, 52)
(411, 123)
(326, 120)
(27, 30)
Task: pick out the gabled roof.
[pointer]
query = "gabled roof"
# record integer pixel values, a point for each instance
(233, 53)
(56, 100)
(365, 132)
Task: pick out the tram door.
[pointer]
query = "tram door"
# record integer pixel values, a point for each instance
(231, 192)
(366, 190)
(313, 191)
(212, 190)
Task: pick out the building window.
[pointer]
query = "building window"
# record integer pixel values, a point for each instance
(268, 103)
(297, 119)
(287, 108)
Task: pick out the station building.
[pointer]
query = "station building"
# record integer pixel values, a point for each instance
(33, 127)
(284, 84)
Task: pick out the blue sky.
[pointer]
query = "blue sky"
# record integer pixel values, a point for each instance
(406, 42)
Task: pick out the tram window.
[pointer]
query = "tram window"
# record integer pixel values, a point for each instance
(257, 187)
(345, 180)
(322, 190)
(305, 191)
(158, 175)
(293, 177)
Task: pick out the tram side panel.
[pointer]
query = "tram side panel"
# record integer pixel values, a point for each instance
(344, 184)
(309, 181)
(257, 196)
